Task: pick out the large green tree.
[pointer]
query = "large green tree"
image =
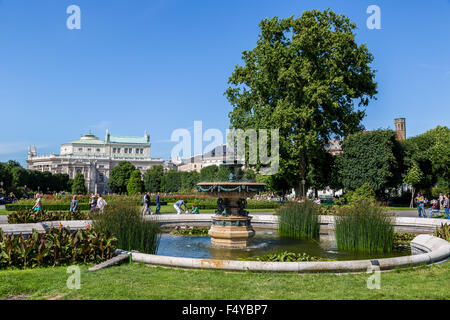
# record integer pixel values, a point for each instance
(430, 152)
(189, 180)
(308, 78)
(78, 186)
(152, 179)
(134, 185)
(171, 181)
(119, 176)
(373, 158)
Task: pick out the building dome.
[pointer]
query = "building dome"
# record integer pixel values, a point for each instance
(89, 136)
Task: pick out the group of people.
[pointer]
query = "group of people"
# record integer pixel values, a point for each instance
(443, 202)
(147, 209)
(177, 206)
(96, 203)
(146, 202)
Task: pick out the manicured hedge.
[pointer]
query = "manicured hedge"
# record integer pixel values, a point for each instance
(18, 206)
(57, 246)
(28, 216)
(55, 207)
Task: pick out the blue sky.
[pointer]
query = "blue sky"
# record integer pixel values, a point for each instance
(158, 65)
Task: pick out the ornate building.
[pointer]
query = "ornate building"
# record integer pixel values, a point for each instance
(400, 128)
(94, 158)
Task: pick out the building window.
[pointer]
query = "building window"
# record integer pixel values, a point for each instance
(80, 149)
(114, 150)
(118, 150)
(98, 150)
(142, 151)
(89, 149)
(126, 150)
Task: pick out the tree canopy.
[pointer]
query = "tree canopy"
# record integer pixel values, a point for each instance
(119, 176)
(372, 158)
(308, 78)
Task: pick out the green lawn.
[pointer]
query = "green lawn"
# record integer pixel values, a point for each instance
(140, 281)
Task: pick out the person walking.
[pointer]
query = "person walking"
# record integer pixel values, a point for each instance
(92, 203)
(73, 204)
(420, 200)
(177, 205)
(147, 208)
(441, 201)
(447, 206)
(38, 204)
(157, 202)
(435, 205)
(101, 203)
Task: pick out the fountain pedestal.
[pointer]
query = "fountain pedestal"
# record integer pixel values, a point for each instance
(231, 226)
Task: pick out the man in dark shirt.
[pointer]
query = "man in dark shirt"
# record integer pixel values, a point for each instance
(147, 204)
(158, 205)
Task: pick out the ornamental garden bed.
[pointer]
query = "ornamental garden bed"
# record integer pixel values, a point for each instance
(55, 247)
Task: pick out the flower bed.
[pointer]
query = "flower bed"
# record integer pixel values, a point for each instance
(58, 246)
(28, 216)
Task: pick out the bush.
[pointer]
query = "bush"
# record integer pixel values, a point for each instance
(363, 193)
(299, 220)
(443, 232)
(57, 246)
(364, 227)
(28, 216)
(125, 222)
(58, 206)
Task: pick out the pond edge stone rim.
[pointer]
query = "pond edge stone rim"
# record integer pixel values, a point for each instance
(433, 249)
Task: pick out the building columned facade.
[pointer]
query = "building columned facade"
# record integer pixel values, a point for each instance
(94, 158)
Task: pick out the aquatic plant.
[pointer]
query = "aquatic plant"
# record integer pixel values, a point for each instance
(299, 220)
(364, 227)
(125, 222)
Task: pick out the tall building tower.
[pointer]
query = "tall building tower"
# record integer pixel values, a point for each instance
(400, 128)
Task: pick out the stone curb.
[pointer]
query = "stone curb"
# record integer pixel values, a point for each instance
(436, 250)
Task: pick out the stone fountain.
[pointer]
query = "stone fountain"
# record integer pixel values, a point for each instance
(231, 226)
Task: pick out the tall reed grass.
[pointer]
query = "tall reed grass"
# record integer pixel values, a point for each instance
(299, 220)
(364, 227)
(125, 222)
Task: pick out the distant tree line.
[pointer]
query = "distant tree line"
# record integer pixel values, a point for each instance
(15, 178)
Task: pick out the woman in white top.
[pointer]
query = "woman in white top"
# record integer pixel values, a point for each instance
(101, 203)
(38, 205)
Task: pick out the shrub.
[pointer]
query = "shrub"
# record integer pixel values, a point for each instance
(57, 246)
(58, 206)
(363, 193)
(125, 222)
(299, 220)
(443, 232)
(364, 227)
(28, 216)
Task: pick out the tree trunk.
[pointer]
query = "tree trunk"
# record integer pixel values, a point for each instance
(412, 198)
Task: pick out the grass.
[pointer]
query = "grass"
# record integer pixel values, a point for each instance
(140, 281)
